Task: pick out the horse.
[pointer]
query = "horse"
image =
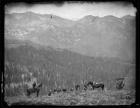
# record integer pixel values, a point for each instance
(71, 89)
(97, 85)
(85, 87)
(94, 85)
(34, 90)
(50, 92)
(57, 90)
(77, 87)
(64, 90)
(90, 83)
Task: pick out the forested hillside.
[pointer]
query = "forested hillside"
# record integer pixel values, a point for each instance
(59, 68)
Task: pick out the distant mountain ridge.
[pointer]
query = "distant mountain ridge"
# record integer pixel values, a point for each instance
(107, 36)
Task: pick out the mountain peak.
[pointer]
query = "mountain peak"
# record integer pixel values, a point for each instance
(88, 19)
(110, 17)
(127, 17)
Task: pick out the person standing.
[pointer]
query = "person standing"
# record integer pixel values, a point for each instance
(34, 84)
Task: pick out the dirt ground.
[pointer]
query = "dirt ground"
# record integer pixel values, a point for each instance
(96, 97)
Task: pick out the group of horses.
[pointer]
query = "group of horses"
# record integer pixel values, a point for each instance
(58, 90)
(36, 89)
(77, 87)
(92, 84)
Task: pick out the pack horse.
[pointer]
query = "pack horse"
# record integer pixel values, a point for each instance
(94, 85)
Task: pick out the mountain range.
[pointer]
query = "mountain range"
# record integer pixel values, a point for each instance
(107, 36)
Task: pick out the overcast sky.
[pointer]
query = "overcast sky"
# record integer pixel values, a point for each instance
(75, 11)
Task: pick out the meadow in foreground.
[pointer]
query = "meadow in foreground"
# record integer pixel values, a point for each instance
(96, 97)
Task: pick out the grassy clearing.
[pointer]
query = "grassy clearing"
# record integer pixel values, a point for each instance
(96, 97)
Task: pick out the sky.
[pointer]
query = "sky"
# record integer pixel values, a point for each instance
(75, 11)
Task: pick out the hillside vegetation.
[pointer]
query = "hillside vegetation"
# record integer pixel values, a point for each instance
(61, 68)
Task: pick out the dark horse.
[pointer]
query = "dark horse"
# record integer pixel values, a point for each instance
(96, 85)
(34, 90)
(77, 87)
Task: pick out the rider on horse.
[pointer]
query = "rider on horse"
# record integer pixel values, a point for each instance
(35, 89)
